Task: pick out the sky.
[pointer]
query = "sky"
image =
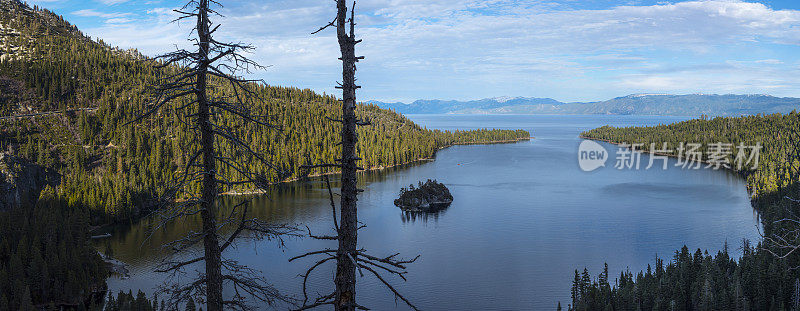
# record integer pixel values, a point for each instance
(568, 50)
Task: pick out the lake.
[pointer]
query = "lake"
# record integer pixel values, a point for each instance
(523, 219)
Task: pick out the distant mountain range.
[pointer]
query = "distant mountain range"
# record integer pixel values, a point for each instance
(638, 104)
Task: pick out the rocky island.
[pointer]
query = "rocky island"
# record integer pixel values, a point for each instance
(430, 196)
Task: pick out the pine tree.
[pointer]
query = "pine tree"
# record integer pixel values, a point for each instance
(576, 289)
(25, 302)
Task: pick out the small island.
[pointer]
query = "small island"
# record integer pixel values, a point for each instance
(430, 196)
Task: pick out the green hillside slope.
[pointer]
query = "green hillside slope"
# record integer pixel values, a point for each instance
(81, 93)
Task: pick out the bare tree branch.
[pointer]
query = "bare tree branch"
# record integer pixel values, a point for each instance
(191, 86)
(349, 259)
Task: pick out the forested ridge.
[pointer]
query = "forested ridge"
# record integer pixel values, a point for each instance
(760, 279)
(115, 169)
(634, 104)
(774, 132)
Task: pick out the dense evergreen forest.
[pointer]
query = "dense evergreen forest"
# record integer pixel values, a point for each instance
(116, 169)
(694, 281)
(139, 302)
(758, 280)
(45, 257)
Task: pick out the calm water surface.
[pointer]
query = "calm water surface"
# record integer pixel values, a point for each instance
(524, 217)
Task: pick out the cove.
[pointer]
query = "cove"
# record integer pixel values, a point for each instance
(524, 216)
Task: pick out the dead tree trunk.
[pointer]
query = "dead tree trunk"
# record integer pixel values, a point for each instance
(209, 186)
(192, 88)
(348, 233)
(349, 258)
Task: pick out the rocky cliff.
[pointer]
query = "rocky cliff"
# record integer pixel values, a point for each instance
(21, 181)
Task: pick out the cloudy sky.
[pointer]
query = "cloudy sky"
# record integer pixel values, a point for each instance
(569, 50)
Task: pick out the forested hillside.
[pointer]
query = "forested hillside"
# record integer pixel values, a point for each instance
(46, 259)
(760, 280)
(694, 281)
(776, 133)
(116, 168)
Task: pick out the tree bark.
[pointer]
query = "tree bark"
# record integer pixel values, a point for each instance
(348, 233)
(209, 190)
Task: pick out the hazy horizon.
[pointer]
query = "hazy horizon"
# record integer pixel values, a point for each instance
(571, 102)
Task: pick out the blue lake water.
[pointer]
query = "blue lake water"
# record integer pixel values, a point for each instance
(523, 219)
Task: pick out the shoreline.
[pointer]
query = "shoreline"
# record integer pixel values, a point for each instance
(729, 169)
(378, 168)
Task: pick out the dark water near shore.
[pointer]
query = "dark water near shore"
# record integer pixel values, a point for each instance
(524, 217)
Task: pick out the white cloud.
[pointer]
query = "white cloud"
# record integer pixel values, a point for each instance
(110, 18)
(112, 2)
(119, 20)
(738, 77)
(769, 61)
(465, 48)
(152, 36)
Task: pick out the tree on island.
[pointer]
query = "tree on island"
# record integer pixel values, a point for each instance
(429, 196)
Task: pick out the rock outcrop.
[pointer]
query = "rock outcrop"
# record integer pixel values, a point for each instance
(21, 181)
(430, 196)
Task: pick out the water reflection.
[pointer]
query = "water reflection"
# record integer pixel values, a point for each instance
(303, 202)
(523, 218)
(424, 217)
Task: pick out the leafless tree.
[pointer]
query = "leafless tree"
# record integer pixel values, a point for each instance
(192, 88)
(349, 258)
(783, 239)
